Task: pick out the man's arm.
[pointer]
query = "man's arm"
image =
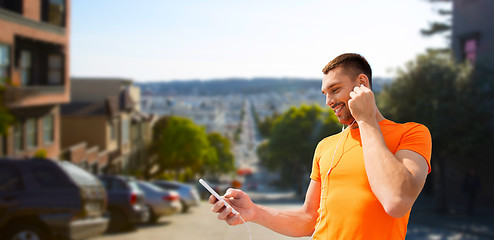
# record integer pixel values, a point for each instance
(295, 223)
(395, 179)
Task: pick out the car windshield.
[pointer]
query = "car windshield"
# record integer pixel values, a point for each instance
(78, 175)
(134, 187)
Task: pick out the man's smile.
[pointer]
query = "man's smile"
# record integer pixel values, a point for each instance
(338, 109)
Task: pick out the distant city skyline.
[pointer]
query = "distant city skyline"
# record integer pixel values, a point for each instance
(177, 40)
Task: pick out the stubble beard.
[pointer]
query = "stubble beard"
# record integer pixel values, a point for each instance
(346, 117)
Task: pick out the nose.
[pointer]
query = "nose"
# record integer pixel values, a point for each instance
(329, 101)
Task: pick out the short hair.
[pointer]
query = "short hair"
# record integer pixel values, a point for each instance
(353, 64)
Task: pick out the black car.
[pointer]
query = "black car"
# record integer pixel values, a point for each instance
(126, 202)
(47, 199)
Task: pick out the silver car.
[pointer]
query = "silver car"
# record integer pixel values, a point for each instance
(160, 202)
(188, 193)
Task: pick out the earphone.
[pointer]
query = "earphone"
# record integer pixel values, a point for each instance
(327, 174)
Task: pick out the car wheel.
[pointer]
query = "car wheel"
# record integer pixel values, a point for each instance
(152, 218)
(27, 232)
(118, 221)
(185, 207)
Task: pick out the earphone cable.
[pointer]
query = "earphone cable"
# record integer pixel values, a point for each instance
(327, 175)
(247, 225)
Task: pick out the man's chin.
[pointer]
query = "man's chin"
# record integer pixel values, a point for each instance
(346, 120)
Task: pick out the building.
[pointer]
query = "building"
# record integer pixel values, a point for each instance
(473, 34)
(89, 127)
(103, 114)
(34, 70)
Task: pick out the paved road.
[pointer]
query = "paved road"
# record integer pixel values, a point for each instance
(202, 224)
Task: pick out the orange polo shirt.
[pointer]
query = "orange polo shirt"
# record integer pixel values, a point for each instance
(348, 207)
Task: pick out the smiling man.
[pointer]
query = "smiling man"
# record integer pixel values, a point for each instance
(364, 180)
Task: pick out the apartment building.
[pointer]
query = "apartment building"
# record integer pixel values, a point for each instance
(473, 34)
(34, 70)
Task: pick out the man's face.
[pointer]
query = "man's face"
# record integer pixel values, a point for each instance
(336, 86)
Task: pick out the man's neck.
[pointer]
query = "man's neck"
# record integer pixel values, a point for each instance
(379, 117)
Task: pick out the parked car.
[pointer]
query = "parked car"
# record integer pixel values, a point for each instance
(188, 194)
(47, 199)
(126, 202)
(160, 202)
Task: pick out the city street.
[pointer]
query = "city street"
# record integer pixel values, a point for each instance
(202, 224)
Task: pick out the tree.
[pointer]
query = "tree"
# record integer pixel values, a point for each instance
(181, 146)
(290, 147)
(222, 150)
(440, 27)
(6, 118)
(435, 27)
(435, 91)
(267, 124)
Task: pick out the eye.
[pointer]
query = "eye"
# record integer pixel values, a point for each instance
(335, 90)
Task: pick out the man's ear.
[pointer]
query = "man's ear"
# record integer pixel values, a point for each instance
(362, 78)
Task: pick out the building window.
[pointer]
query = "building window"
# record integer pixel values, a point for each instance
(55, 67)
(48, 129)
(25, 67)
(4, 62)
(18, 137)
(470, 49)
(113, 130)
(31, 134)
(53, 11)
(12, 5)
(125, 131)
(135, 132)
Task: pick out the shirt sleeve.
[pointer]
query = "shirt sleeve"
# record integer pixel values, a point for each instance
(418, 139)
(315, 174)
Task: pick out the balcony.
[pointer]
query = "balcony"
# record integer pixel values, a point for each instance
(38, 75)
(33, 95)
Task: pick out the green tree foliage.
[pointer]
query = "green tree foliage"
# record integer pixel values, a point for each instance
(444, 27)
(221, 148)
(440, 27)
(6, 118)
(267, 125)
(292, 141)
(180, 145)
(444, 96)
(264, 126)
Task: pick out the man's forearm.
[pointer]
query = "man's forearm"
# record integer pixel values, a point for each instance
(293, 223)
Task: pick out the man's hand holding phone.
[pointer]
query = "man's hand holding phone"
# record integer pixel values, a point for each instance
(233, 201)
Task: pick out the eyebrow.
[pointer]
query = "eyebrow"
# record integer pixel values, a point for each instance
(330, 86)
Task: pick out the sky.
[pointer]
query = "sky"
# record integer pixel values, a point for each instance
(162, 40)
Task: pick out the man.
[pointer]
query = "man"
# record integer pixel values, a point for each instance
(364, 180)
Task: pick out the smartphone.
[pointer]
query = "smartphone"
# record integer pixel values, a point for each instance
(206, 185)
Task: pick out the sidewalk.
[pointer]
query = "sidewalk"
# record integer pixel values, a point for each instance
(481, 224)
